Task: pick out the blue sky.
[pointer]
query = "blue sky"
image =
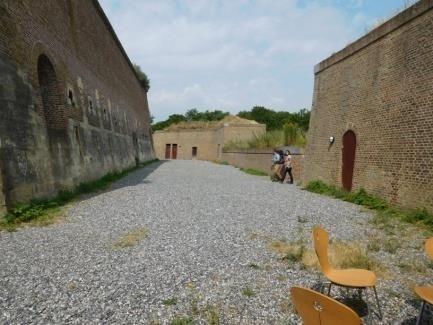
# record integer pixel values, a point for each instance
(234, 54)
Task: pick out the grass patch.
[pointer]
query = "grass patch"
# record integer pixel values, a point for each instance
(253, 171)
(170, 302)
(254, 266)
(221, 162)
(211, 314)
(47, 211)
(341, 255)
(248, 292)
(413, 267)
(182, 320)
(373, 246)
(384, 211)
(131, 238)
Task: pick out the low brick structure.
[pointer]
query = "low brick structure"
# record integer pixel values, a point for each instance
(375, 98)
(71, 106)
(203, 140)
(261, 159)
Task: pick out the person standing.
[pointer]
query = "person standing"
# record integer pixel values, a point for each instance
(288, 166)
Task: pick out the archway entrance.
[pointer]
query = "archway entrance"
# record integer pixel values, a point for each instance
(349, 149)
(49, 92)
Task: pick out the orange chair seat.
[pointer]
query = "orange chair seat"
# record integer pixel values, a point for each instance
(356, 278)
(425, 293)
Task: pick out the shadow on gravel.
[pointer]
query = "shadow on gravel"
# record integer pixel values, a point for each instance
(350, 299)
(137, 177)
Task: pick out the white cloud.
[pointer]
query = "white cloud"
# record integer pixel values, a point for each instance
(229, 54)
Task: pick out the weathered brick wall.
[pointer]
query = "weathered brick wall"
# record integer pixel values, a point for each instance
(381, 87)
(261, 159)
(50, 51)
(209, 142)
(204, 140)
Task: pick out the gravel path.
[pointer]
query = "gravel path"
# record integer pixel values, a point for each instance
(204, 255)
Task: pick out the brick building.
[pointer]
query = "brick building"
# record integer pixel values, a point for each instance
(71, 107)
(375, 98)
(203, 140)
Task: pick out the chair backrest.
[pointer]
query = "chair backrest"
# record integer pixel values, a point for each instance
(318, 309)
(429, 247)
(321, 239)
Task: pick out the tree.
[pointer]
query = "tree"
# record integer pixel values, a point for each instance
(142, 77)
(172, 119)
(191, 115)
(276, 120)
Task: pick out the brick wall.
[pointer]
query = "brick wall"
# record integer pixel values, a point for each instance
(209, 142)
(381, 88)
(70, 102)
(261, 159)
(206, 142)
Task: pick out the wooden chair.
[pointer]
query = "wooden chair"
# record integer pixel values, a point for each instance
(317, 309)
(425, 293)
(349, 278)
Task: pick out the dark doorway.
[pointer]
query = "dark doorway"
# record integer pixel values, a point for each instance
(167, 151)
(349, 149)
(194, 152)
(174, 151)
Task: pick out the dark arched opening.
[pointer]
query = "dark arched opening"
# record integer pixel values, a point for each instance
(50, 93)
(349, 150)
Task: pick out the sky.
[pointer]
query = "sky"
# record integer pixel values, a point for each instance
(235, 54)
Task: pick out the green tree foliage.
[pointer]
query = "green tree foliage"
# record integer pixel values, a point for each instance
(190, 115)
(172, 119)
(142, 77)
(276, 120)
(194, 115)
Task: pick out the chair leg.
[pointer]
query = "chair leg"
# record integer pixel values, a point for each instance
(368, 306)
(329, 289)
(418, 321)
(378, 304)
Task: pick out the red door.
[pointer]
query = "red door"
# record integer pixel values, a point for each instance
(174, 151)
(349, 149)
(167, 151)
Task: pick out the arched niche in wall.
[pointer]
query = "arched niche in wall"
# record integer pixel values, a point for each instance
(49, 90)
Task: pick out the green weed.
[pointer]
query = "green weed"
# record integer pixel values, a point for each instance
(248, 292)
(384, 211)
(254, 172)
(169, 302)
(182, 320)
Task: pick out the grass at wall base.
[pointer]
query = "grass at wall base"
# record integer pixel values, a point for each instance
(384, 211)
(47, 211)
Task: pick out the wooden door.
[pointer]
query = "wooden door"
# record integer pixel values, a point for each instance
(167, 151)
(174, 151)
(349, 150)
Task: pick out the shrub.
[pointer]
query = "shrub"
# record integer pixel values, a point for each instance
(384, 211)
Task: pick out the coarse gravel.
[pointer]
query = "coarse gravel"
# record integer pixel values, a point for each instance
(203, 258)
